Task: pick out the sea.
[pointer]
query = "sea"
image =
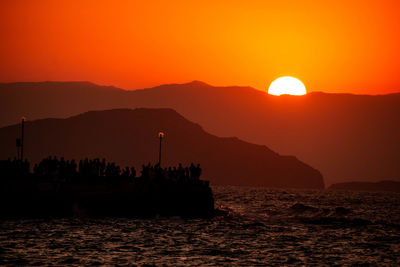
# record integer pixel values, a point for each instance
(252, 227)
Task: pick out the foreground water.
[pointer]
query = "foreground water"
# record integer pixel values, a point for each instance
(254, 227)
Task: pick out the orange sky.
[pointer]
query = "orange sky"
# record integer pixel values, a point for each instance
(332, 46)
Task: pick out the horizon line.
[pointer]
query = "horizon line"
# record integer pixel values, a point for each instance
(194, 82)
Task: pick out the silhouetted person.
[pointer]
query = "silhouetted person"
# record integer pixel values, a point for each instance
(192, 170)
(181, 172)
(198, 171)
(102, 167)
(125, 172)
(80, 170)
(133, 172)
(158, 171)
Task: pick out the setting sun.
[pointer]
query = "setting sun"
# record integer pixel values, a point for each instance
(287, 86)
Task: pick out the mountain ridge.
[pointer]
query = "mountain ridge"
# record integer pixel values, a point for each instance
(345, 136)
(129, 137)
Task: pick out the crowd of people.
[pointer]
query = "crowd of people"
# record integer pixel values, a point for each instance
(89, 169)
(14, 168)
(172, 173)
(54, 168)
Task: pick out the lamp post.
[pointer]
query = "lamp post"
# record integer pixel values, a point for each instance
(161, 135)
(22, 137)
(18, 145)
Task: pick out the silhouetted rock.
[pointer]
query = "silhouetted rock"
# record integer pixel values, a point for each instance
(388, 186)
(342, 135)
(129, 137)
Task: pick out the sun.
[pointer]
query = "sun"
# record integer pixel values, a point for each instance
(287, 86)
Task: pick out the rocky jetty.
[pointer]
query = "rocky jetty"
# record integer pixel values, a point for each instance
(57, 190)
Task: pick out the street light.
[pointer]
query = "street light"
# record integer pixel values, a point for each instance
(22, 137)
(161, 135)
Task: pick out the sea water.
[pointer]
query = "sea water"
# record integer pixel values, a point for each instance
(253, 226)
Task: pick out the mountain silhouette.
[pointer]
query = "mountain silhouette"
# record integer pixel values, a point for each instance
(129, 137)
(347, 137)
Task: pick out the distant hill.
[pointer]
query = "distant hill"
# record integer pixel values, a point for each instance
(382, 186)
(346, 137)
(55, 99)
(129, 137)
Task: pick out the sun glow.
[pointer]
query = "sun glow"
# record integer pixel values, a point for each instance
(287, 86)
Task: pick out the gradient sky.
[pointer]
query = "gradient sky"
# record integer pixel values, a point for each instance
(332, 46)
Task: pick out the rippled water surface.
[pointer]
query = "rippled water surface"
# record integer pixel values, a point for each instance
(253, 227)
